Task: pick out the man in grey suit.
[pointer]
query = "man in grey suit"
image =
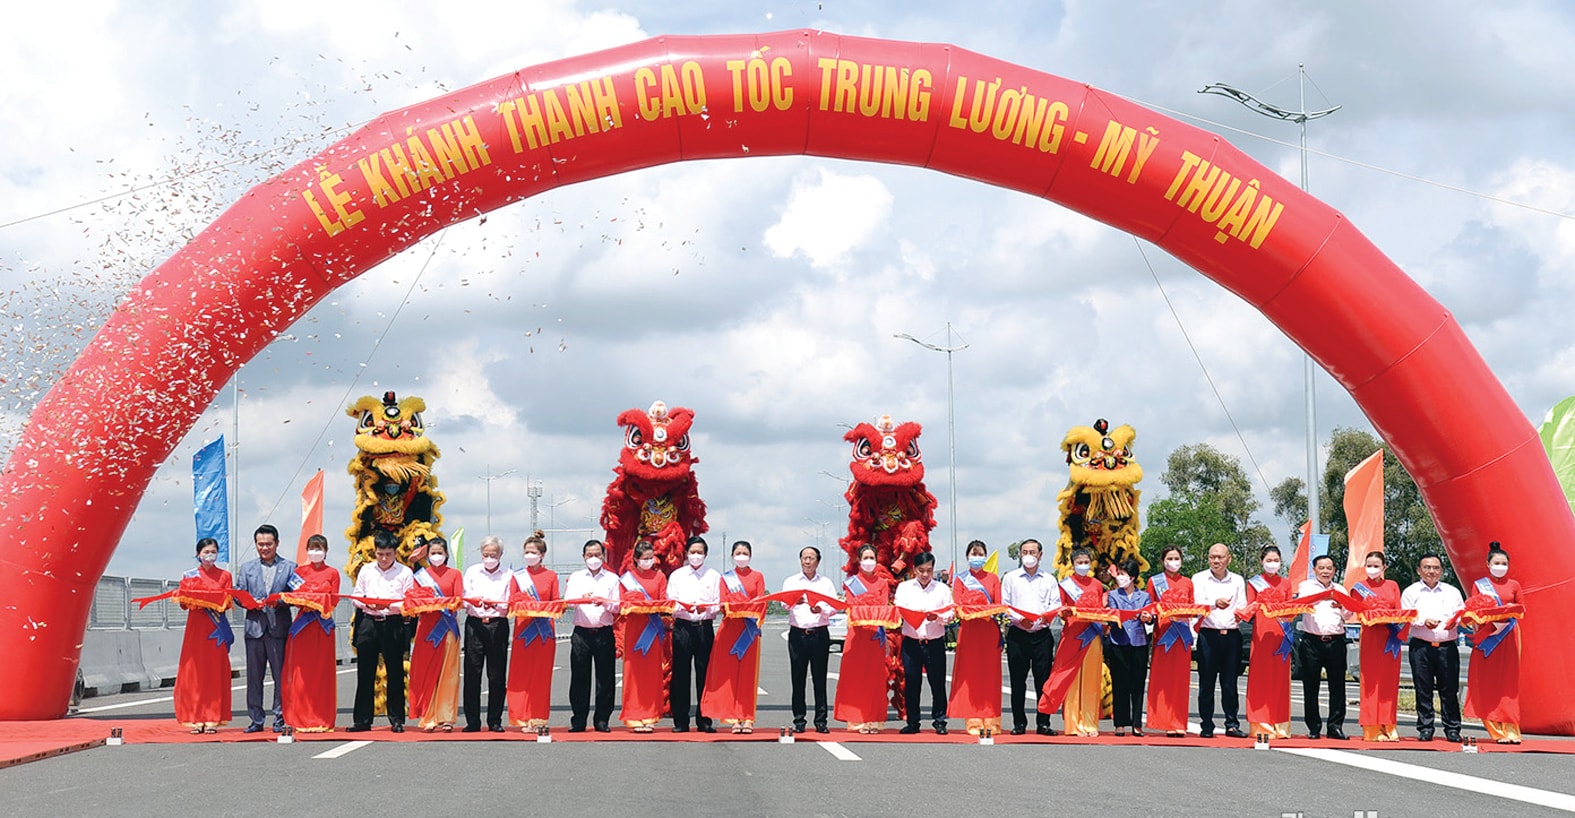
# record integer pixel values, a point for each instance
(267, 627)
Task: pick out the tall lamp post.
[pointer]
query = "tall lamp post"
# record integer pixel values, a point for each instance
(951, 421)
(489, 478)
(1300, 117)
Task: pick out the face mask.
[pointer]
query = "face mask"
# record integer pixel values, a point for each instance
(437, 559)
(1372, 573)
(646, 564)
(1271, 567)
(317, 557)
(1082, 569)
(490, 563)
(975, 563)
(532, 559)
(868, 566)
(209, 559)
(1030, 561)
(1173, 566)
(593, 563)
(1123, 581)
(696, 560)
(1498, 571)
(741, 560)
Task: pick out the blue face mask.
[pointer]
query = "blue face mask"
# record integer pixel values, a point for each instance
(975, 563)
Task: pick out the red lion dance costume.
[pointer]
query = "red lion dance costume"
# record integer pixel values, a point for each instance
(655, 495)
(888, 507)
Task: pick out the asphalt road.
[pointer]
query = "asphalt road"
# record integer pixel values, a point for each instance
(764, 778)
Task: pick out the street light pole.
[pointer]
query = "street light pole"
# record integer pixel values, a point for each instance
(489, 478)
(1300, 117)
(951, 421)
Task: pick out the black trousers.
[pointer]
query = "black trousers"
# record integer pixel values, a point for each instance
(263, 654)
(385, 639)
(924, 658)
(1028, 651)
(1128, 673)
(692, 642)
(1436, 669)
(588, 647)
(1328, 655)
(1219, 663)
(808, 651)
(486, 648)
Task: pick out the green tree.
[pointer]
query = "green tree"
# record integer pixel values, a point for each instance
(1290, 506)
(1210, 501)
(1409, 531)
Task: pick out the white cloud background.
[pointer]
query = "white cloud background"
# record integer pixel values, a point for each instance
(764, 294)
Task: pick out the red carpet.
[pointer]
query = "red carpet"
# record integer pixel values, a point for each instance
(30, 740)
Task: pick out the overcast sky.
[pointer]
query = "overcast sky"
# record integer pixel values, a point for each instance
(764, 293)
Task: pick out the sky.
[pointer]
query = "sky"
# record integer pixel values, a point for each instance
(764, 293)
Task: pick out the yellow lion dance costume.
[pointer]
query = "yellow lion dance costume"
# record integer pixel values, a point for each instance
(395, 489)
(1099, 506)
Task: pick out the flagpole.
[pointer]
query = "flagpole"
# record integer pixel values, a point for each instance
(235, 465)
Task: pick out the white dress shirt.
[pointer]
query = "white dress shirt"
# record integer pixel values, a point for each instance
(376, 583)
(1325, 619)
(491, 585)
(1441, 602)
(695, 586)
(1206, 590)
(933, 597)
(603, 584)
(800, 615)
(1034, 593)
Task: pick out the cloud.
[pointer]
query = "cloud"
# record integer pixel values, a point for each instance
(827, 217)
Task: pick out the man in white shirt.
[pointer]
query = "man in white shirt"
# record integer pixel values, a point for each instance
(698, 587)
(380, 633)
(1320, 647)
(1030, 646)
(1219, 641)
(809, 638)
(592, 641)
(924, 647)
(486, 636)
(1435, 656)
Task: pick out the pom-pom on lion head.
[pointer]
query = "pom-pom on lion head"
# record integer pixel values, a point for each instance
(887, 453)
(656, 442)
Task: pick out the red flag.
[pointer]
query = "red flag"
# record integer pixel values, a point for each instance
(1299, 566)
(311, 514)
(1364, 514)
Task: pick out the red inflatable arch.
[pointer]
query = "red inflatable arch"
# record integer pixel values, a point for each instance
(77, 473)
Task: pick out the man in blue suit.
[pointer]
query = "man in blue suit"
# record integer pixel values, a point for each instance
(267, 627)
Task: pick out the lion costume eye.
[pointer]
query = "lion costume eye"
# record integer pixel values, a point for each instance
(862, 449)
(913, 449)
(367, 420)
(415, 421)
(1080, 452)
(635, 437)
(683, 443)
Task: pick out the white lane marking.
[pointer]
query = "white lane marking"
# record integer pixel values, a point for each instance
(1429, 775)
(840, 752)
(760, 691)
(267, 682)
(347, 747)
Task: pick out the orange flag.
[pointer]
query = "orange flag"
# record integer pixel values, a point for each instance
(1364, 513)
(1300, 570)
(311, 514)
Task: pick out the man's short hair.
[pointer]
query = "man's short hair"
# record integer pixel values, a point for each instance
(1321, 558)
(384, 540)
(923, 558)
(265, 528)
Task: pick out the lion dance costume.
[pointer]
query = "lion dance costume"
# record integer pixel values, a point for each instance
(655, 495)
(889, 508)
(1099, 506)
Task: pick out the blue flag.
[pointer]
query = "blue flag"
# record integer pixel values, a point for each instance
(211, 497)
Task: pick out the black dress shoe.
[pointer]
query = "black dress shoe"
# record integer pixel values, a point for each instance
(576, 728)
(821, 728)
(603, 728)
(1019, 730)
(471, 728)
(278, 727)
(678, 729)
(358, 728)
(800, 726)
(1425, 735)
(496, 728)
(709, 728)
(253, 728)
(909, 729)
(397, 727)
(1235, 732)
(1335, 734)
(1452, 735)
(940, 729)
(1205, 734)
(1045, 731)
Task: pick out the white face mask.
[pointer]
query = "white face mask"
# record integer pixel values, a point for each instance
(317, 557)
(209, 559)
(532, 559)
(741, 560)
(1498, 571)
(1030, 561)
(1272, 567)
(1082, 569)
(490, 563)
(593, 563)
(868, 566)
(646, 564)
(1173, 566)
(437, 559)
(1373, 572)
(696, 560)
(1123, 581)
